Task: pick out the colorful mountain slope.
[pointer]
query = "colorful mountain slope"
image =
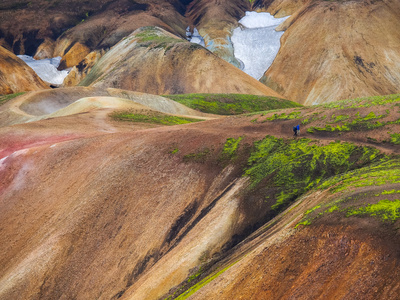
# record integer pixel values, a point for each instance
(147, 211)
(152, 60)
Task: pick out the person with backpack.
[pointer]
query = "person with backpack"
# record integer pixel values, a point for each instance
(296, 130)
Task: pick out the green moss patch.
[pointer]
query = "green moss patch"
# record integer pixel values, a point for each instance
(154, 38)
(289, 168)
(360, 186)
(152, 117)
(386, 171)
(384, 209)
(199, 156)
(202, 283)
(229, 152)
(231, 104)
(5, 98)
(340, 117)
(357, 124)
(389, 192)
(284, 116)
(363, 102)
(395, 138)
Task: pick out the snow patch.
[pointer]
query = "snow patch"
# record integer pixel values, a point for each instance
(46, 69)
(256, 43)
(195, 37)
(254, 19)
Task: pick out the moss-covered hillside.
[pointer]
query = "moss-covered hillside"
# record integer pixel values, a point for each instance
(345, 164)
(231, 104)
(373, 119)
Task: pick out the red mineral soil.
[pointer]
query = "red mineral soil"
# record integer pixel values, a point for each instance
(16, 76)
(130, 213)
(334, 261)
(176, 67)
(329, 53)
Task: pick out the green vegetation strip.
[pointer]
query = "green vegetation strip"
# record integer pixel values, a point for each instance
(152, 36)
(395, 138)
(386, 171)
(284, 116)
(359, 123)
(293, 167)
(231, 104)
(384, 209)
(199, 156)
(152, 118)
(230, 148)
(363, 102)
(5, 98)
(202, 283)
(389, 192)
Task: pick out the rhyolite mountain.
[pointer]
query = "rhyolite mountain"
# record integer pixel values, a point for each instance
(328, 51)
(338, 50)
(172, 66)
(109, 191)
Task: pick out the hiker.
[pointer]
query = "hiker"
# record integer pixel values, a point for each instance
(296, 130)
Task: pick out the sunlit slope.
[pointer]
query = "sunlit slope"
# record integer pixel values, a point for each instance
(16, 76)
(152, 60)
(68, 101)
(342, 226)
(328, 52)
(231, 104)
(147, 213)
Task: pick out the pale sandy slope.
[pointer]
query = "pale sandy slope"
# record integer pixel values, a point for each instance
(46, 104)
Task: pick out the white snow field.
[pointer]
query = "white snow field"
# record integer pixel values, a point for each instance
(256, 44)
(46, 69)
